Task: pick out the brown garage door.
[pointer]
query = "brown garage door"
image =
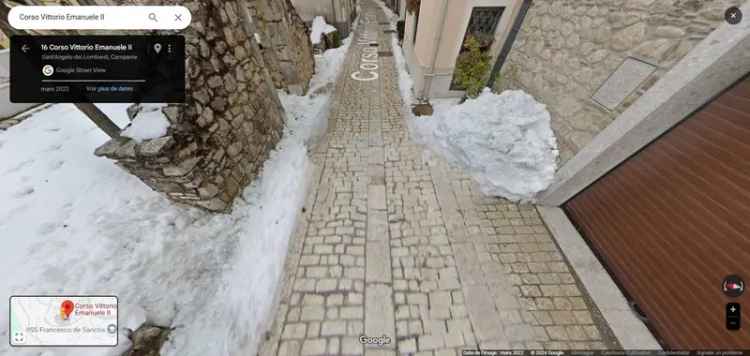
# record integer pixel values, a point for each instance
(673, 220)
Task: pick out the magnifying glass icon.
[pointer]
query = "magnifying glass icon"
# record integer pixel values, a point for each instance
(152, 17)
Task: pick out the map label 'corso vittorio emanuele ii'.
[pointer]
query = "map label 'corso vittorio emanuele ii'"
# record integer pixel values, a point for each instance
(63, 321)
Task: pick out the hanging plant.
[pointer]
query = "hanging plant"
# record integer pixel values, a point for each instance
(412, 6)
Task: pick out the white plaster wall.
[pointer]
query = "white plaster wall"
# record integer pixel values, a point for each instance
(451, 38)
(414, 68)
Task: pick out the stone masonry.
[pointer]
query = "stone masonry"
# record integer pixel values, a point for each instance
(566, 49)
(220, 137)
(285, 43)
(398, 248)
(252, 25)
(338, 13)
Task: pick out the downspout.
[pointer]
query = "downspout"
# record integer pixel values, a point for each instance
(439, 36)
(508, 45)
(333, 11)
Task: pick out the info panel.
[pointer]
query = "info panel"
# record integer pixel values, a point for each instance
(103, 69)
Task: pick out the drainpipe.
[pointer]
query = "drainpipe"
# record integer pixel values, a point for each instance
(333, 11)
(439, 35)
(508, 45)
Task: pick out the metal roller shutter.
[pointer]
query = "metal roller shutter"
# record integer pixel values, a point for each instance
(673, 220)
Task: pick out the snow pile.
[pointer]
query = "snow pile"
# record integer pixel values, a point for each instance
(149, 123)
(310, 113)
(77, 224)
(319, 28)
(405, 81)
(504, 141)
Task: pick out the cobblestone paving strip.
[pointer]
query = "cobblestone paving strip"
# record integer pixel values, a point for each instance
(399, 244)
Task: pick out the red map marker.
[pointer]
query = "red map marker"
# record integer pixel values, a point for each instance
(66, 308)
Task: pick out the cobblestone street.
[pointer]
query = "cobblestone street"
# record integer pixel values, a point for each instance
(396, 243)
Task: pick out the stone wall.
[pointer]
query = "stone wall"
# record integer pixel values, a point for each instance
(269, 54)
(283, 32)
(566, 49)
(219, 139)
(338, 13)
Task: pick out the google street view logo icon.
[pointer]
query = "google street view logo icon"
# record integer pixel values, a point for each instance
(65, 309)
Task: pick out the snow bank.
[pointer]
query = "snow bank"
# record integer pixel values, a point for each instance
(77, 224)
(73, 223)
(328, 65)
(148, 124)
(503, 141)
(319, 28)
(310, 113)
(405, 81)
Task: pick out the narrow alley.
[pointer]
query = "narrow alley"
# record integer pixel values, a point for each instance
(400, 254)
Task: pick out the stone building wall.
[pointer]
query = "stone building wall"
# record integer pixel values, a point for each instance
(338, 13)
(268, 52)
(566, 49)
(219, 139)
(283, 31)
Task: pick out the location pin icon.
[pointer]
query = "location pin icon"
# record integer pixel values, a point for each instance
(157, 47)
(66, 308)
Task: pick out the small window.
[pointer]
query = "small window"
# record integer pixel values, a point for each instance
(482, 24)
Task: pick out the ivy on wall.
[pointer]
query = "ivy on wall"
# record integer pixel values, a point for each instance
(472, 67)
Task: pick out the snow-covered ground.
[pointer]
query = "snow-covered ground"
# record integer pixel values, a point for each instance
(73, 223)
(319, 28)
(309, 113)
(405, 81)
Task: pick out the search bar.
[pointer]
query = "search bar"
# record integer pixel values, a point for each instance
(99, 17)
